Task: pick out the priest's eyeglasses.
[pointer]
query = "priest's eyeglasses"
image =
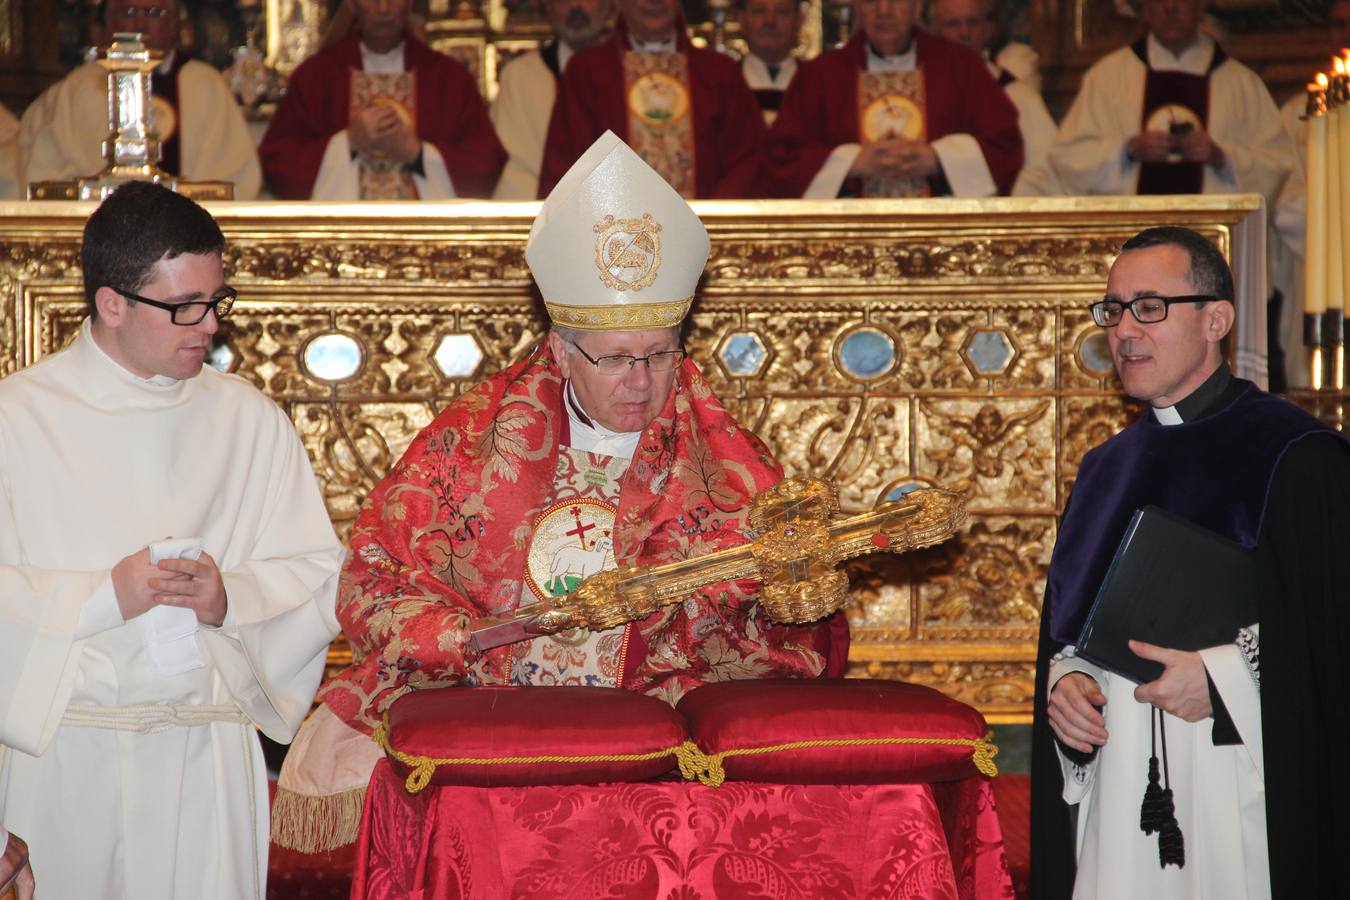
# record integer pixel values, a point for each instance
(192, 312)
(1147, 309)
(661, 361)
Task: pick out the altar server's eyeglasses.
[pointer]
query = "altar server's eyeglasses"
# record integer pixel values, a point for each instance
(662, 361)
(192, 312)
(1148, 309)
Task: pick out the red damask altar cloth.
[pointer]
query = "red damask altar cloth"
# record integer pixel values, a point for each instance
(673, 840)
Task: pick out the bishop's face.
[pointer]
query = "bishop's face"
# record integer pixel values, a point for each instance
(1163, 362)
(630, 400)
(143, 339)
(888, 24)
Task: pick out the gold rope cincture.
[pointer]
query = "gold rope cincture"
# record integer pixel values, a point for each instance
(693, 762)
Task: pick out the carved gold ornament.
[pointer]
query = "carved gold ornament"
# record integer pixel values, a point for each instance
(628, 252)
(796, 559)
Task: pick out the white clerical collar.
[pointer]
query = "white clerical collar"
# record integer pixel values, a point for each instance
(666, 46)
(1194, 60)
(565, 52)
(1167, 415)
(757, 71)
(387, 63)
(162, 381)
(900, 62)
(589, 435)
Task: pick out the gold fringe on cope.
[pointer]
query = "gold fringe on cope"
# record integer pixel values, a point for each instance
(316, 824)
(707, 768)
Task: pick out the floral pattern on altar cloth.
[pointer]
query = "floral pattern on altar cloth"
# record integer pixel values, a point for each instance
(682, 841)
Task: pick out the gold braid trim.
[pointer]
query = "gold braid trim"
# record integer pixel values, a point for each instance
(619, 316)
(694, 763)
(423, 767)
(707, 768)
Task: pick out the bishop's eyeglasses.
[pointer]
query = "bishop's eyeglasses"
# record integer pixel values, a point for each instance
(1147, 309)
(193, 311)
(661, 361)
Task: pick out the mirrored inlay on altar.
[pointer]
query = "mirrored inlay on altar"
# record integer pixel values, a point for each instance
(1094, 353)
(744, 354)
(990, 352)
(458, 355)
(867, 353)
(333, 357)
(220, 357)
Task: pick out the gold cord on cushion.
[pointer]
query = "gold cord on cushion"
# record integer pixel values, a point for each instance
(423, 767)
(707, 768)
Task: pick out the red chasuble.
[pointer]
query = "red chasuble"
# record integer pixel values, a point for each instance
(167, 116)
(1177, 103)
(450, 113)
(728, 131)
(443, 539)
(820, 112)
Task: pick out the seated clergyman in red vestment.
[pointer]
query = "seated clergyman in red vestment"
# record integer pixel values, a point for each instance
(896, 112)
(603, 447)
(685, 110)
(379, 115)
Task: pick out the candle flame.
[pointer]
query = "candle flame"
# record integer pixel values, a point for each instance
(1322, 80)
(1338, 64)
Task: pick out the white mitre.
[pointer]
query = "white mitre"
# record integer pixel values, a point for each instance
(614, 248)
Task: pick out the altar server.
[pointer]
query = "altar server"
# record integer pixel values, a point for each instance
(1172, 113)
(1236, 731)
(379, 115)
(684, 109)
(202, 132)
(603, 447)
(529, 85)
(897, 112)
(131, 690)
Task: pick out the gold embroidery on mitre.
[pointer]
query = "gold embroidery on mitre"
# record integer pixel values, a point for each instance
(620, 317)
(630, 248)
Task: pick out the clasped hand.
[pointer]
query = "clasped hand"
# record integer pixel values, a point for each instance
(1194, 146)
(193, 584)
(1074, 707)
(378, 130)
(895, 157)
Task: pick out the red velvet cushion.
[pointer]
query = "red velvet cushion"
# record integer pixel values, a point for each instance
(490, 725)
(741, 715)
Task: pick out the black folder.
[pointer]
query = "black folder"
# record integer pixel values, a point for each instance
(1172, 584)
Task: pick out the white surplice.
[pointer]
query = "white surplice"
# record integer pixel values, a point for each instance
(1219, 791)
(63, 130)
(520, 113)
(96, 463)
(1089, 156)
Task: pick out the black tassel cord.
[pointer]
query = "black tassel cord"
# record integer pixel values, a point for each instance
(1158, 812)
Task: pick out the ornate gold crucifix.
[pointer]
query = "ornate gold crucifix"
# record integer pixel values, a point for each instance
(797, 547)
